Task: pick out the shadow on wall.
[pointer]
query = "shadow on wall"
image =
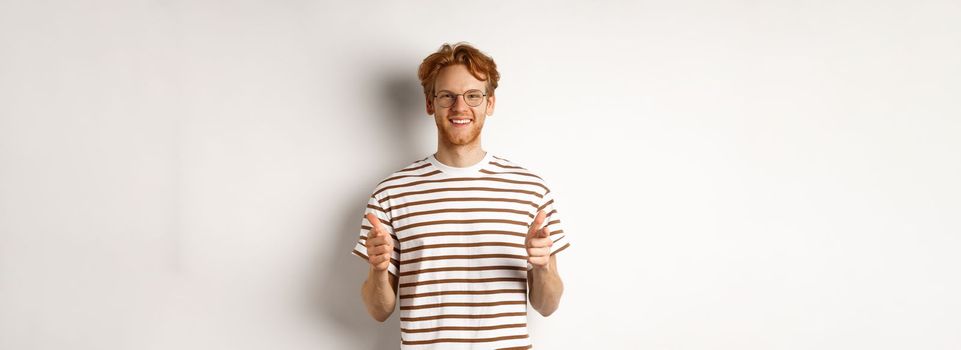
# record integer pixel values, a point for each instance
(336, 292)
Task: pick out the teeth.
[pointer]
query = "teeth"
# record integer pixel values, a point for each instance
(460, 121)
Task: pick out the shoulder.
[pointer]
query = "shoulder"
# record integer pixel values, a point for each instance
(420, 168)
(503, 166)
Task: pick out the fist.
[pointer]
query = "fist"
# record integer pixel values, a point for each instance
(379, 244)
(538, 242)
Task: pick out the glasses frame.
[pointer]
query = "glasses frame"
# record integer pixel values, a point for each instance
(457, 96)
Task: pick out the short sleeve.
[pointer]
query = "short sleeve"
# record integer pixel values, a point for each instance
(360, 249)
(554, 224)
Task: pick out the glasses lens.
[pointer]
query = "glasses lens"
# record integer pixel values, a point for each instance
(445, 99)
(474, 98)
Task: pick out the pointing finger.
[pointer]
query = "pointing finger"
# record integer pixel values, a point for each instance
(375, 225)
(538, 221)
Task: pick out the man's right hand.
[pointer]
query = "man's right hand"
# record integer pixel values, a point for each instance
(380, 245)
(380, 289)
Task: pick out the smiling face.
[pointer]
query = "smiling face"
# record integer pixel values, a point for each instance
(459, 124)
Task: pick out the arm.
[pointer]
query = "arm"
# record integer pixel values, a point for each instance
(543, 282)
(546, 287)
(379, 293)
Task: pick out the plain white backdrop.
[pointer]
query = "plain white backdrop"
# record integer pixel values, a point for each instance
(733, 175)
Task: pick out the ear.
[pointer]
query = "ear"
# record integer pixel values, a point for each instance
(490, 105)
(430, 105)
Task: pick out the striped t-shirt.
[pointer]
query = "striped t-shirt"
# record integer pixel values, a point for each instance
(459, 250)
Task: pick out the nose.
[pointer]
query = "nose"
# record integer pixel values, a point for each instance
(460, 103)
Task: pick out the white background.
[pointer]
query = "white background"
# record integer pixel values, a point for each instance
(733, 175)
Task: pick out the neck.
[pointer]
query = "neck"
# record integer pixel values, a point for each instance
(459, 155)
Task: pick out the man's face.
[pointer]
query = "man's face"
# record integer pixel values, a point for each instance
(457, 79)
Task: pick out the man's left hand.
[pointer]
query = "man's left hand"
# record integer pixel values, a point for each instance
(538, 242)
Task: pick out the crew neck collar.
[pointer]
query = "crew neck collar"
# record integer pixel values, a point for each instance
(459, 171)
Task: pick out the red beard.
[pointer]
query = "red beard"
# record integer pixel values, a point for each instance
(460, 137)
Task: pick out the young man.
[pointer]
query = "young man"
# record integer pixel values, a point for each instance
(461, 236)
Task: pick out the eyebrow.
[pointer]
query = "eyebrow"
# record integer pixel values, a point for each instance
(478, 89)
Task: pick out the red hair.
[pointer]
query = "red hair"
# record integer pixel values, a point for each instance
(480, 65)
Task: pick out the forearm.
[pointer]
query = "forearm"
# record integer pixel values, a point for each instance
(546, 288)
(379, 294)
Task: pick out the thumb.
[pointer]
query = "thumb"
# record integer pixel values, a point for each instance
(544, 232)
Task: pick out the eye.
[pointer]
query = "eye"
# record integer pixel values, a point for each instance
(444, 95)
(474, 95)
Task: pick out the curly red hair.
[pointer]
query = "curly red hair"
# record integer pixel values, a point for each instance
(480, 65)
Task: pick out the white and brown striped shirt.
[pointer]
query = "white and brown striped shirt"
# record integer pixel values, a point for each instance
(459, 250)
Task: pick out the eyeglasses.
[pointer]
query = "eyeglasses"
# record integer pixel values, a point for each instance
(446, 98)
